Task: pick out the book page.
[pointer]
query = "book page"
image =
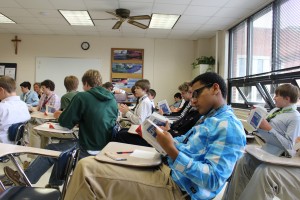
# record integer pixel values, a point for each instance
(164, 106)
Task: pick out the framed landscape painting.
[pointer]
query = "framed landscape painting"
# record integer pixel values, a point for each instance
(126, 67)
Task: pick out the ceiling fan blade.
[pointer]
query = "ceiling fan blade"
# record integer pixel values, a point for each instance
(139, 17)
(137, 24)
(114, 14)
(117, 25)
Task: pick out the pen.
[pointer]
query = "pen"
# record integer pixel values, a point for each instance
(124, 152)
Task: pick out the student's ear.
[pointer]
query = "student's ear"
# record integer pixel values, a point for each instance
(216, 88)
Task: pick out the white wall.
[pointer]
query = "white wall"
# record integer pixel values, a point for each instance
(167, 63)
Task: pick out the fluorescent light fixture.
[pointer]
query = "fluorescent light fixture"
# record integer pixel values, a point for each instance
(77, 18)
(5, 20)
(163, 21)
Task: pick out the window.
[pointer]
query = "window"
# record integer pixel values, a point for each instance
(264, 52)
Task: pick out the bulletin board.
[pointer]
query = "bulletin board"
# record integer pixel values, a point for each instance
(127, 67)
(8, 69)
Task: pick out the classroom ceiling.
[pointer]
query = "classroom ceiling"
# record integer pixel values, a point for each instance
(199, 18)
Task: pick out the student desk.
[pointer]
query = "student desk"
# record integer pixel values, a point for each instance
(41, 115)
(10, 149)
(50, 129)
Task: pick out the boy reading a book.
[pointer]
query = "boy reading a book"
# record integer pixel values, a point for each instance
(284, 123)
(199, 162)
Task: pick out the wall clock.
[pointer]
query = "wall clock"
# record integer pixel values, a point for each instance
(85, 45)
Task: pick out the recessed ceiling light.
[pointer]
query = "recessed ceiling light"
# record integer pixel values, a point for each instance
(163, 21)
(6, 20)
(79, 18)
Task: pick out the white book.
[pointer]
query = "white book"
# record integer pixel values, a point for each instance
(164, 106)
(148, 130)
(256, 116)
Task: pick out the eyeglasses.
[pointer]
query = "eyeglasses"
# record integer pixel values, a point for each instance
(197, 92)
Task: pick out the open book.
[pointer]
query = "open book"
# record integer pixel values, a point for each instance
(148, 130)
(256, 116)
(164, 106)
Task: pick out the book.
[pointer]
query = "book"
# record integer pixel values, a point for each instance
(164, 106)
(256, 116)
(148, 132)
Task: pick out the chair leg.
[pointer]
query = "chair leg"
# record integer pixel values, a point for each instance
(20, 170)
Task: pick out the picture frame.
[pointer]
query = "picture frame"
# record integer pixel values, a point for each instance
(127, 67)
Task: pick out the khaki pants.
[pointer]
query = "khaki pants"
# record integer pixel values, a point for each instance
(96, 180)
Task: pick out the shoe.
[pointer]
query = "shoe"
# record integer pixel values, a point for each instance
(52, 186)
(6, 181)
(14, 176)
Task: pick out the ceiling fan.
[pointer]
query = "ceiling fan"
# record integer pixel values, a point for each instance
(124, 14)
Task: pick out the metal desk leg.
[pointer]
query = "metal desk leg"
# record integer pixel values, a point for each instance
(20, 170)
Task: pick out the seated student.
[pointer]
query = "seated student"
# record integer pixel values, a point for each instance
(28, 96)
(178, 100)
(48, 98)
(143, 108)
(284, 123)
(152, 95)
(37, 88)
(186, 94)
(71, 84)
(95, 110)
(12, 109)
(199, 162)
(265, 181)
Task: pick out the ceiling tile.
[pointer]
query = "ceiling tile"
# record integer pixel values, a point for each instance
(44, 13)
(9, 4)
(184, 2)
(216, 3)
(233, 12)
(201, 11)
(221, 20)
(9, 12)
(35, 4)
(68, 4)
(96, 5)
(187, 26)
(193, 19)
(137, 6)
(169, 9)
(245, 3)
(25, 20)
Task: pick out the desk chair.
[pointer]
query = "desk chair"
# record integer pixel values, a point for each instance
(66, 161)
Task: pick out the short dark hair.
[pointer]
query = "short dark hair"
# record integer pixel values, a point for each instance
(71, 83)
(8, 84)
(26, 84)
(144, 84)
(108, 86)
(177, 95)
(212, 77)
(152, 92)
(48, 84)
(92, 78)
(288, 90)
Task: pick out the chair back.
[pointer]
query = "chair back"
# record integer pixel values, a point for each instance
(65, 165)
(16, 131)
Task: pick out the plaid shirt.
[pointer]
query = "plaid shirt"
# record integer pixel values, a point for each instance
(206, 161)
(53, 101)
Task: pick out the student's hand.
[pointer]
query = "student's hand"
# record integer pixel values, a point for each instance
(265, 125)
(298, 140)
(160, 111)
(165, 140)
(166, 127)
(56, 114)
(123, 108)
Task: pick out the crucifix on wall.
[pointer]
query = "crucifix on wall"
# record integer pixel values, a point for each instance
(15, 41)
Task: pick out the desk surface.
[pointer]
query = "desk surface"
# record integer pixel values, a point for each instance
(6, 149)
(41, 115)
(56, 128)
(264, 156)
(114, 147)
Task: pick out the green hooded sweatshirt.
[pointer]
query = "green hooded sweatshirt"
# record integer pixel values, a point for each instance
(96, 112)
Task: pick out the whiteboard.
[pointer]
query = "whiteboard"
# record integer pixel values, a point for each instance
(56, 69)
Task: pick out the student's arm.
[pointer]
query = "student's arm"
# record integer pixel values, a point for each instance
(34, 99)
(72, 114)
(211, 167)
(143, 111)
